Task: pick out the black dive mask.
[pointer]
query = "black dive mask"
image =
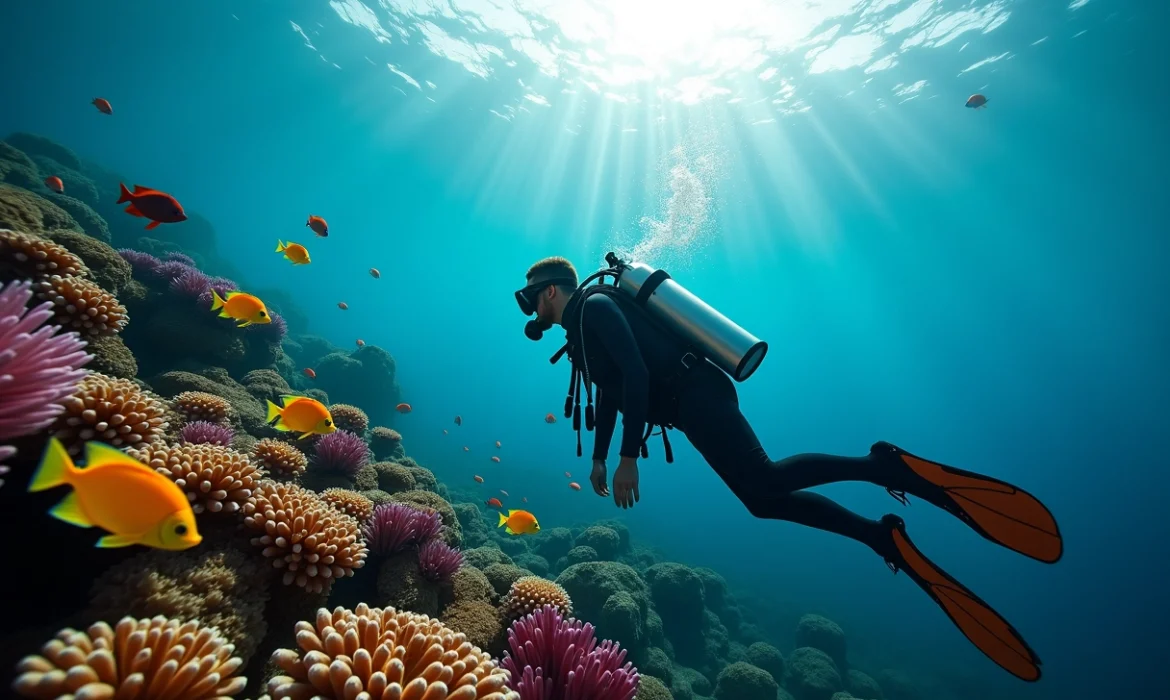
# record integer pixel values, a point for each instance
(527, 298)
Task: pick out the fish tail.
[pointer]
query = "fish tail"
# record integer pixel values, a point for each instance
(216, 300)
(55, 468)
(274, 412)
(503, 520)
(126, 196)
(280, 246)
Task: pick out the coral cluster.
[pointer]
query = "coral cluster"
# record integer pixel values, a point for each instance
(349, 418)
(201, 406)
(202, 432)
(114, 411)
(29, 257)
(395, 526)
(139, 658)
(280, 458)
(531, 593)
(341, 451)
(215, 479)
(82, 306)
(303, 535)
(385, 654)
(437, 561)
(349, 502)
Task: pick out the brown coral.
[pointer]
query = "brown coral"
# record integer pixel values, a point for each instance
(382, 653)
(387, 443)
(349, 502)
(114, 411)
(199, 405)
(349, 418)
(82, 306)
(280, 458)
(26, 256)
(387, 435)
(476, 619)
(140, 658)
(303, 535)
(530, 593)
(216, 479)
(393, 478)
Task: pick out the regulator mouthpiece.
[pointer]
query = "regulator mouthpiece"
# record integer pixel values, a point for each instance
(534, 329)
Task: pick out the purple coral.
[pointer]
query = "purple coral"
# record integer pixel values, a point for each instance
(39, 367)
(203, 432)
(553, 658)
(395, 526)
(341, 451)
(437, 561)
(181, 257)
(221, 285)
(273, 332)
(171, 270)
(191, 284)
(141, 262)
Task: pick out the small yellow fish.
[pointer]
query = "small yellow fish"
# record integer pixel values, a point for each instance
(114, 492)
(519, 522)
(295, 252)
(241, 307)
(300, 414)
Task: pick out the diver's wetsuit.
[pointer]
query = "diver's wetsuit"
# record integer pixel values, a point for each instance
(634, 365)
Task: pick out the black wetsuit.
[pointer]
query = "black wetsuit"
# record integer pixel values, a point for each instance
(635, 366)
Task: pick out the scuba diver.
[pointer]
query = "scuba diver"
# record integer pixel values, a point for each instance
(661, 357)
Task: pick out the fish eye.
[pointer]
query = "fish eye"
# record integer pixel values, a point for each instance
(262, 314)
(328, 422)
(180, 529)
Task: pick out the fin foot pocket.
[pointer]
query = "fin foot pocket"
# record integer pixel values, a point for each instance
(997, 510)
(978, 621)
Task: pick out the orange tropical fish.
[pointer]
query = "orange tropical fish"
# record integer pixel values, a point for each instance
(54, 183)
(458, 420)
(159, 207)
(309, 373)
(295, 253)
(342, 305)
(403, 408)
(505, 493)
(360, 342)
(300, 414)
(519, 522)
(574, 485)
(103, 105)
(241, 307)
(478, 478)
(318, 225)
(374, 273)
(493, 503)
(497, 444)
(550, 418)
(135, 503)
(495, 459)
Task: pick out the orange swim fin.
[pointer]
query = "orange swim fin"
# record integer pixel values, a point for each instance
(997, 510)
(978, 622)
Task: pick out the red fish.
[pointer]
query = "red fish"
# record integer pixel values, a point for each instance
(159, 207)
(494, 503)
(575, 486)
(497, 444)
(478, 478)
(374, 273)
(550, 418)
(403, 408)
(54, 183)
(458, 420)
(976, 101)
(360, 342)
(103, 105)
(495, 459)
(342, 305)
(568, 475)
(318, 225)
(504, 492)
(309, 373)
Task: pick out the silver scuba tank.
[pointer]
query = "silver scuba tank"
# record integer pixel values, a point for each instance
(730, 347)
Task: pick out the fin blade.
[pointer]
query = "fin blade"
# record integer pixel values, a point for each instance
(54, 469)
(152, 225)
(305, 435)
(273, 412)
(503, 519)
(111, 541)
(99, 453)
(279, 246)
(69, 510)
(216, 301)
(139, 189)
(125, 195)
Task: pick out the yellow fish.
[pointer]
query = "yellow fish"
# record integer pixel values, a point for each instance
(295, 252)
(116, 493)
(300, 414)
(519, 522)
(241, 307)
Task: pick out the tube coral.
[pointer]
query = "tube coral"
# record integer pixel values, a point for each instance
(528, 594)
(349, 418)
(201, 406)
(214, 478)
(140, 261)
(280, 458)
(203, 432)
(114, 411)
(383, 654)
(341, 451)
(39, 367)
(553, 658)
(82, 306)
(139, 658)
(437, 561)
(26, 256)
(349, 502)
(395, 526)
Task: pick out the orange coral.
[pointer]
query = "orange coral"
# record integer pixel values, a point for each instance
(155, 658)
(215, 478)
(28, 256)
(80, 305)
(349, 502)
(110, 410)
(530, 593)
(280, 458)
(384, 654)
(349, 418)
(303, 535)
(199, 405)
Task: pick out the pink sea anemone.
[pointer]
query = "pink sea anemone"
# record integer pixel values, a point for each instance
(437, 561)
(141, 262)
(203, 432)
(39, 367)
(395, 526)
(341, 451)
(553, 658)
(191, 284)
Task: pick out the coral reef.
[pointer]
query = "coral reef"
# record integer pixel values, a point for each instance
(384, 653)
(477, 620)
(349, 418)
(23, 256)
(21, 210)
(386, 443)
(590, 585)
(303, 535)
(437, 561)
(340, 451)
(105, 266)
(603, 540)
(502, 576)
(824, 634)
(198, 406)
(452, 532)
(394, 527)
(812, 675)
(80, 305)
(650, 688)
(364, 377)
(110, 410)
(528, 594)
(401, 585)
(203, 432)
(767, 657)
(180, 659)
(215, 479)
(349, 502)
(742, 681)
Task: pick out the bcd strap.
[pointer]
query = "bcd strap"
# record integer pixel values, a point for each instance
(656, 278)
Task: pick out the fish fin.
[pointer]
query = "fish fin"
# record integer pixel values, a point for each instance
(286, 399)
(99, 453)
(118, 541)
(152, 224)
(273, 412)
(126, 196)
(133, 211)
(511, 512)
(138, 189)
(305, 435)
(280, 246)
(282, 428)
(234, 294)
(55, 468)
(216, 301)
(245, 324)
(69, 510)
(503, 519)
(224, 314)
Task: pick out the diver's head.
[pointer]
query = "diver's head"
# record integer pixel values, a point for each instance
(551, 282)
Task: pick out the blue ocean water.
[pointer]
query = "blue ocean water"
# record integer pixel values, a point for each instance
(986, 287)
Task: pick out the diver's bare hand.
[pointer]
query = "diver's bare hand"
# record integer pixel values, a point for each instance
(598, 478)
(625, 483)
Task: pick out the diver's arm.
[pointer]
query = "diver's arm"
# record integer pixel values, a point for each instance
(603, 427)
(608, 323)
